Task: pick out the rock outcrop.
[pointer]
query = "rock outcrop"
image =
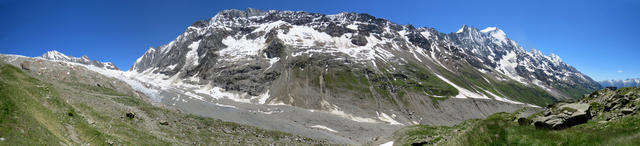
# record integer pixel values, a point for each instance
(604, 105)
(564, 116)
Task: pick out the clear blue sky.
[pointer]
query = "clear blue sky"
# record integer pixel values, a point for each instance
(599, 38)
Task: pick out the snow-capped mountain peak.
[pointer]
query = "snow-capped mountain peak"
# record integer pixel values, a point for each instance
(464, 28)
(489, 29)
(495, 33)
(247, 51)
(630, 82)
(555, 58)
(57, 56)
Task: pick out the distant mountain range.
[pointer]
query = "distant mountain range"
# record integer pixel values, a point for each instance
(57, 56)
(631, 82)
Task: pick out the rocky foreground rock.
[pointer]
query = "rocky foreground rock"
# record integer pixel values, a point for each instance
(604, 104)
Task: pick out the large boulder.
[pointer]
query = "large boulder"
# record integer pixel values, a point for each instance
(564, 116)
(26, 65)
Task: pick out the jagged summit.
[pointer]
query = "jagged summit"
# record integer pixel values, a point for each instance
(57, 56)
(465, 28)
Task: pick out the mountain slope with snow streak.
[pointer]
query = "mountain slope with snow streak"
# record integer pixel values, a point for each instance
(353, 68)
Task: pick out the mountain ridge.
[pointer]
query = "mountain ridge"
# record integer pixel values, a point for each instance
(629, 82)
(58, 56)
(358, 26)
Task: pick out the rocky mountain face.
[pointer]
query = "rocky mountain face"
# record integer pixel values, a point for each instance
(633, 82)
(301, 59)
(57, 56)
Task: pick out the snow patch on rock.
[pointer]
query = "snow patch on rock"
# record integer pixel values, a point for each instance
(324, 127)
(462, 92)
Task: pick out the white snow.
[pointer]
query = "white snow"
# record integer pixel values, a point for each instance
(496, 33)
(540, 84)
(219, 94)
(192, 55)
(336, 111)
(227, 106)
(500, 98)
(347, 116)
(166, 48)
(267, 112)
(352, 26)
(268, 26)
(55, 55)
(426, 34)
(507, 65)
(460, 30)
(307, 37)
(147, 76)
(241, 48)
(192, 95)
(390, 143)
(488, 29)
(462, 92)
(482, 70)
(555, 59)
(352, 117)
(324, 127)
(384, 117)
(303, 36)
(171, 67)
(271, 61)
(262, 98)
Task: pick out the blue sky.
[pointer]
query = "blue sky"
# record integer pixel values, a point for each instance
(599, 38)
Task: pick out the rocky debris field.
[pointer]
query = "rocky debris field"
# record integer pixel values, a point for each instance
(604, 105)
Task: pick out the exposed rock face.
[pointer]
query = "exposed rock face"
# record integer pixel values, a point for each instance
(606, 104)
(564, 116)
(26, 65)
(130, 115)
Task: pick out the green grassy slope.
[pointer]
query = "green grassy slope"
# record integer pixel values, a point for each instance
(501, 129)
(33, 112)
